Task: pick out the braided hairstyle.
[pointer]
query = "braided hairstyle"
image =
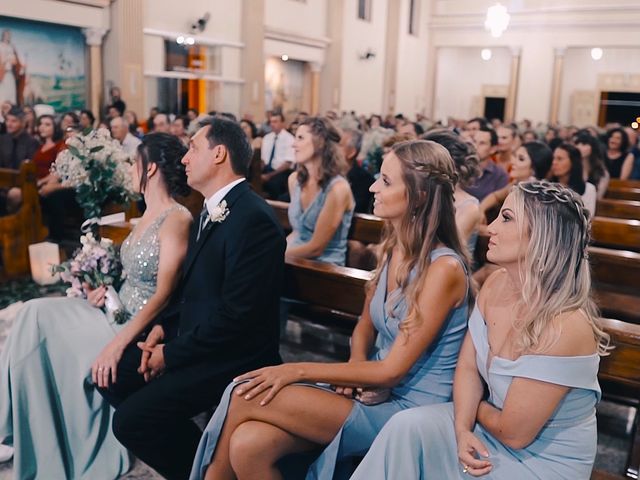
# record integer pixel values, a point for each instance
(429, 175)
(463, 154)
(166, 151)
(326, 143)
(555, 272)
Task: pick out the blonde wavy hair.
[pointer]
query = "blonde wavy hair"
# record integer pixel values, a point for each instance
(555, 272)
(429, 175)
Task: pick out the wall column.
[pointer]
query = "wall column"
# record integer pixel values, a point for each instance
(93, 38)
(556, 86)
(315, 87)
(391, 58)
(252, 98)
(510, 107)
(331, 78)
(124, 54)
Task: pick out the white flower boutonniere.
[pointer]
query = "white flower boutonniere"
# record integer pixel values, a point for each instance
(219, 212)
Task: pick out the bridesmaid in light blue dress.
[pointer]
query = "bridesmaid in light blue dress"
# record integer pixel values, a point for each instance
(403, 350)
(50, 410)
(322, 204)
(539, 419)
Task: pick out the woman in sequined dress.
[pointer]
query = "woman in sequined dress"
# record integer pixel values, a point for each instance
(50, 410)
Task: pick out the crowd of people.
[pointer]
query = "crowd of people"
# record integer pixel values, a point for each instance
(442, 381)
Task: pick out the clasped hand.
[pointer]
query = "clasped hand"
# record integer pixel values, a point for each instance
(272, 379)
(152, 361)
(469, 449)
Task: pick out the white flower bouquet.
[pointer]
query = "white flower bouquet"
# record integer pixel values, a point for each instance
(97, 167)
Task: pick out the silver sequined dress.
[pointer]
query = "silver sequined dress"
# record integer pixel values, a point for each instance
(49, 409)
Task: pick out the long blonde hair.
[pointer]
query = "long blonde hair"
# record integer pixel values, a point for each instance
(555, 272)
(429, 175)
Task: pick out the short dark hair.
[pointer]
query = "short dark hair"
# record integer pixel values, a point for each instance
(73, 115)
(624, 145)
(225, 132)
(89, 114)
(277, 114)
(480, 120)
(194, 110)
(484, 127)
(185, 120)
(166, 151)
(17, 112)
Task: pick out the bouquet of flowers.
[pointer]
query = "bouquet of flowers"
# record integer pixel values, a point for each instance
(96, 263)
(95, 165)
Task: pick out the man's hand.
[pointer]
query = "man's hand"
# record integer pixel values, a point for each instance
(155, 364)
(154, 338)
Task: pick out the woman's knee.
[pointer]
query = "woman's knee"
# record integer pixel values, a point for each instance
(252, 445)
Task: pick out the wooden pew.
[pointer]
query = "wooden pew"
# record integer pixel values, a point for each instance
(616, 282)
(623, 193)
(616, 233)
(23, 228)
(618, 209)
(617, 183)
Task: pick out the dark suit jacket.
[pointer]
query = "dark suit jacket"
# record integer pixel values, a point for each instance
(26, 147)
(226, 309)
(360, 181)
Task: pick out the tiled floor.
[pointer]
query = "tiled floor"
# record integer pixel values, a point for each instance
(309, 343)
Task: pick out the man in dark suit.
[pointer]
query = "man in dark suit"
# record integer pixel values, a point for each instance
(222, 319)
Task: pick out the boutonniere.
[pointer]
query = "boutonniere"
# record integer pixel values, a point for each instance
(219, 212)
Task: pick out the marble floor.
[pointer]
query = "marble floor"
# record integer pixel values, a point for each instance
(304, 342)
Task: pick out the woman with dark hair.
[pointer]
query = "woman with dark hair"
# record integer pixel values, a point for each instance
(49, 409)
(526, 382)
(531, 161)
(566, 169)
(87, 119)
(51, 143)
(251, 131)
(403, 349)
(322, 204)
(618, 159)
(594, 169)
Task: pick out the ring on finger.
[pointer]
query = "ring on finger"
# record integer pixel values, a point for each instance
(465, 469)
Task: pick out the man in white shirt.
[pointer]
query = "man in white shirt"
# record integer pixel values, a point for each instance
(120, 131)
(277, 158)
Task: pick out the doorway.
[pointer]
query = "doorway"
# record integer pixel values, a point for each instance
(494, 107)
(618, 107)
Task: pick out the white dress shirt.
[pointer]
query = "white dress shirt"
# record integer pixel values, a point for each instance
(130, 145)
(284, 149)
(214, 200)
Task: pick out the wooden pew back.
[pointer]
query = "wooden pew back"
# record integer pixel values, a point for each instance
(616, 233)
(618, 209)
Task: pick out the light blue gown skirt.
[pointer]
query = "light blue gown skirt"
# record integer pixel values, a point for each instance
(49, 409)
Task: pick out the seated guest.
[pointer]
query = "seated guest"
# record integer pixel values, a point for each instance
(359, 179)
(529, 136)
(221, 321)
(161, 123)
(508, 142)
(321, 204)
(87, 119)
(373, 138)
(134, 125)
(618, 159)
(403, 350)
(492, 177)
(277, 158)
(179, 129)
(531, 161)
(467, 169)
(49, 410)
(16, 146)
(52, 143)
(120, 131)
(594, 169)
(566, 169)
(70, 122)
(533, 343)
(251, 131)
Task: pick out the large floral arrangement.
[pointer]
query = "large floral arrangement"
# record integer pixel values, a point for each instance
(95, 263)
(97, 167)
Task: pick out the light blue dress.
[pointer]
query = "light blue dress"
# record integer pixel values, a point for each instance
(303, 223)
(429, 381)
(50, 410)
(421, 444)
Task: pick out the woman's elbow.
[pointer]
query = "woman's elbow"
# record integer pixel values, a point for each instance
(516, 440)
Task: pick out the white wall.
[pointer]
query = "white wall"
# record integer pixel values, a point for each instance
(362, 82)
(412, 62)
(51, 11)
(460, 76)
(581, 72)
(308, 18)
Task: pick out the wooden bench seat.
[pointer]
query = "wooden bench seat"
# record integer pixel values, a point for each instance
(19, 230)
(616, 233)
(618, 209)
(623, 193)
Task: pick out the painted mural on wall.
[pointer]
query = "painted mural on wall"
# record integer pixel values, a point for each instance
(284, 85)
(42, 63)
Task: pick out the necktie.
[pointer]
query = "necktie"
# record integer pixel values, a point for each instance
(14, 153)
(203, 221)
(273, 154)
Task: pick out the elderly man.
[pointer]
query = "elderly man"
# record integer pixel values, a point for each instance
(120, 131)
(161, 123)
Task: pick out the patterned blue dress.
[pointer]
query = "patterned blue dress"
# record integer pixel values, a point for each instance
(429, 381)
(303, 223)
(421, 444)
(50, 411)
